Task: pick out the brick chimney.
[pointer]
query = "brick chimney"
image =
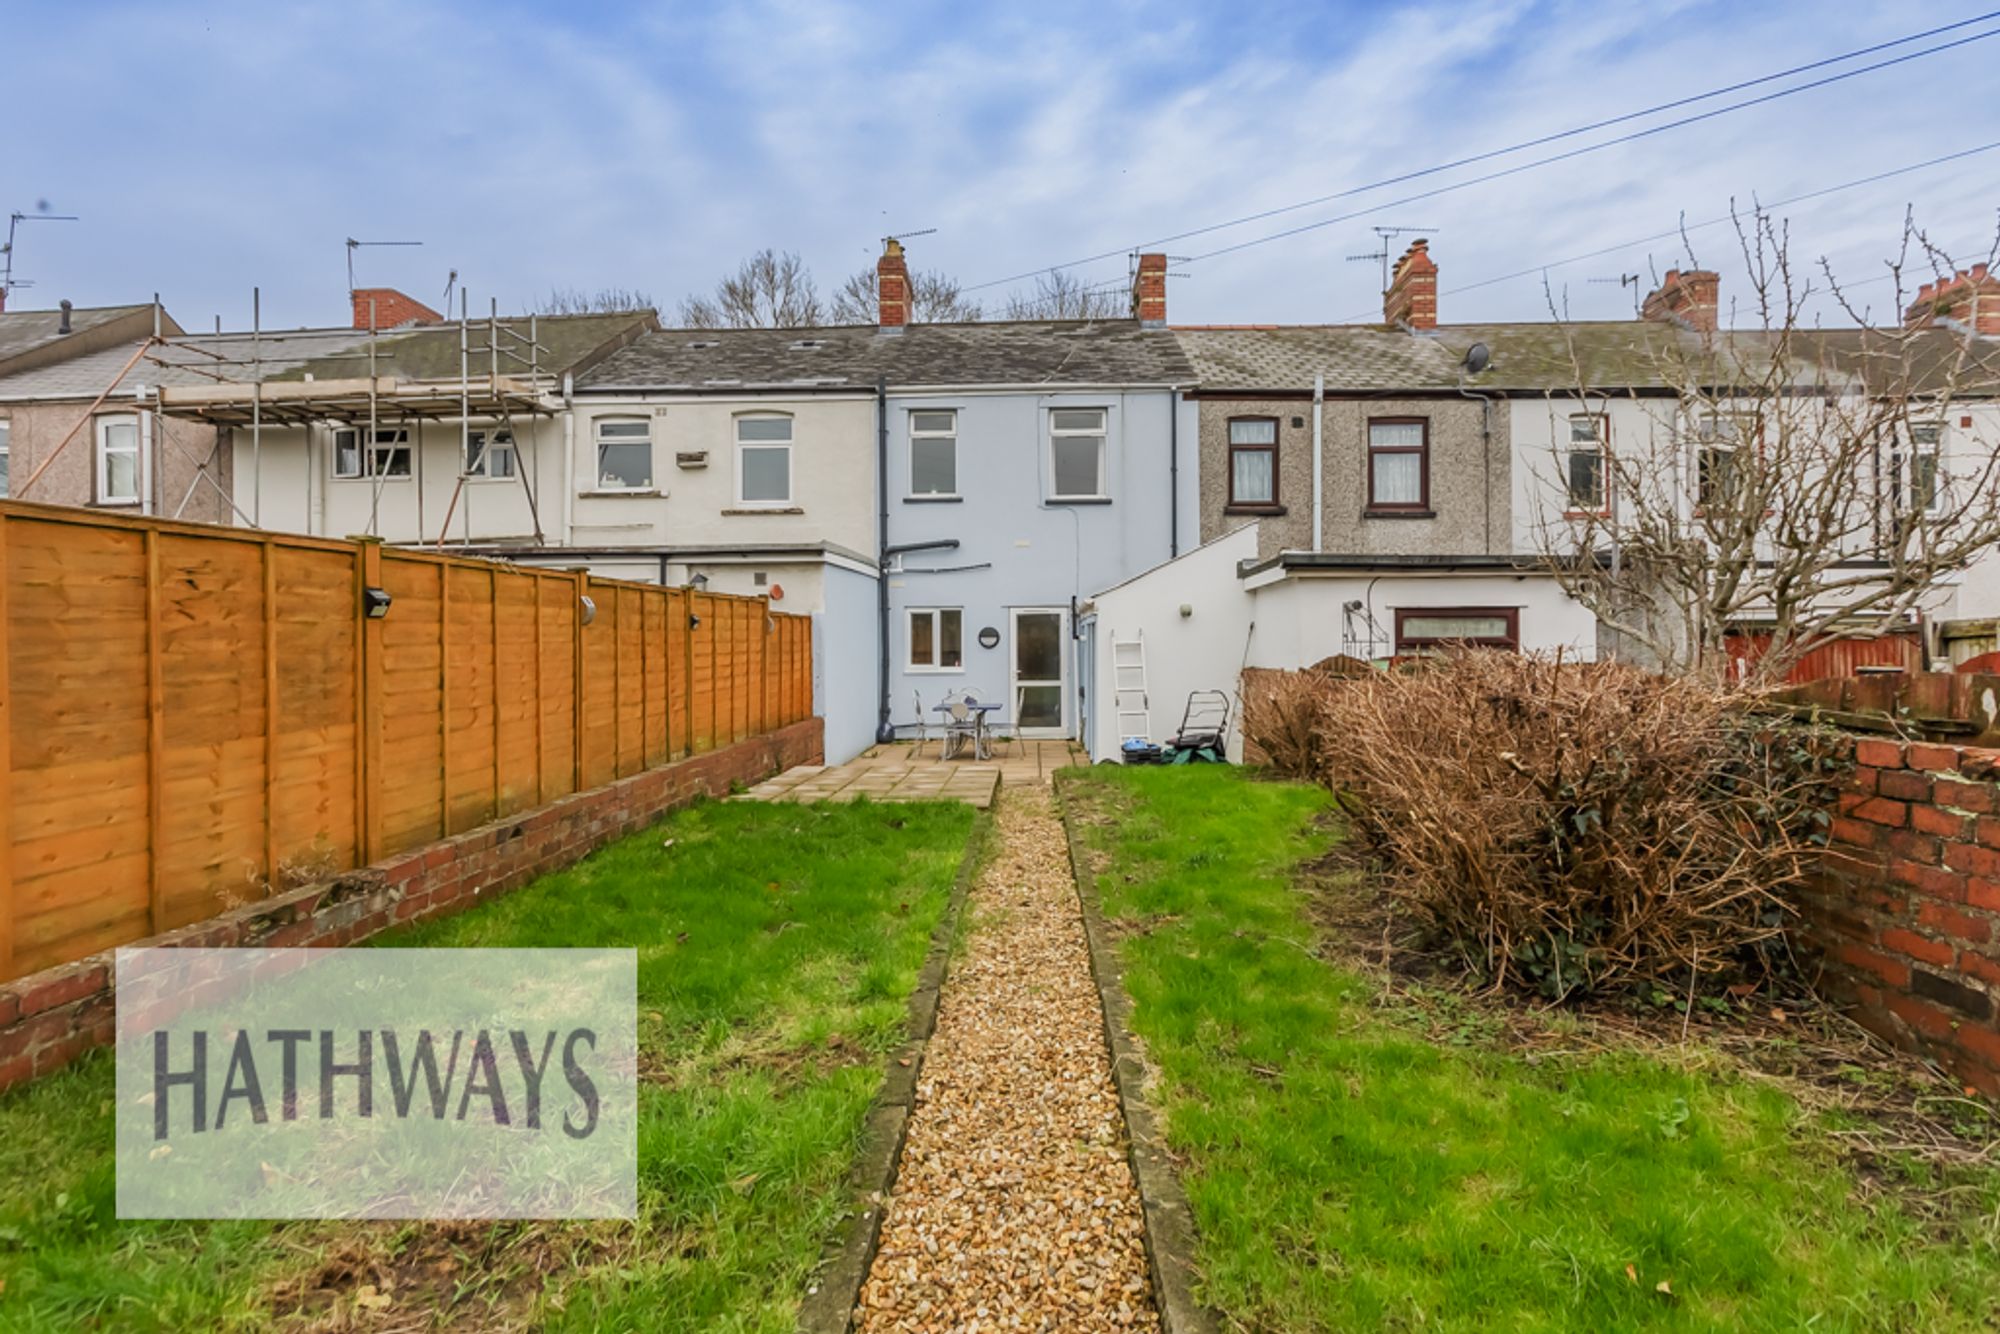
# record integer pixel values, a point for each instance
(1412, 298)
(1691, 299)
(392, 308)
(1969, 298)
(892, 286)
(1149, 292)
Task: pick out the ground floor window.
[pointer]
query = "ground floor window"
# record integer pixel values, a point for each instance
(937, 641)
(1427, 629)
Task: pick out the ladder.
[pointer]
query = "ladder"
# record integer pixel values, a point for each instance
(1134, 714)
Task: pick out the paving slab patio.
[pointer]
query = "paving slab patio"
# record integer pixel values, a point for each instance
(910, 773)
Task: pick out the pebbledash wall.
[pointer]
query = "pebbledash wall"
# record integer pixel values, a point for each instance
(48, 1019)
(1908, 913)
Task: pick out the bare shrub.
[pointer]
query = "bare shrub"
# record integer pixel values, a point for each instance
(1578, 827)
(1283, 714)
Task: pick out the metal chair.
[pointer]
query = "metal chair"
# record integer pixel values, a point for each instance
(962, 723)
(923, 728)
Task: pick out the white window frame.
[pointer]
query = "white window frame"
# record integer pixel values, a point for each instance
(1102, 434)
(1910, 451)
(744, 447)
(936, 616)
(597, 443)
(491, 443)
(388, 439)
(950, 435)
(102, 428)
(1602, 448)
(6, 457)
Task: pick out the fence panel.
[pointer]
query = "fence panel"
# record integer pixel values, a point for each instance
(193, 717)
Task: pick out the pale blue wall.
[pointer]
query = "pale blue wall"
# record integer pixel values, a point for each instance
(1036, 553)
(845, 651)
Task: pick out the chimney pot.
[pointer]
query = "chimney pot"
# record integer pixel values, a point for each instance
(63, 327)
(1149, 291)
(1412, 296)
(1970, 298)
(1692, 299)
(892, 286)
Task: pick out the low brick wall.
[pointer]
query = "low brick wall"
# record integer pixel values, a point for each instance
(50, 1018)
(1908, 913)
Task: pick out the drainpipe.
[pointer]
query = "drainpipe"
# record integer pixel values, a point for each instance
(1173, 470)
(883, 731)
(569, 459)
(1485, 453)
(1319, 464)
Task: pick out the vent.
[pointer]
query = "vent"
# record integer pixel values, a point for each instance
(701, 343)
(808, 344)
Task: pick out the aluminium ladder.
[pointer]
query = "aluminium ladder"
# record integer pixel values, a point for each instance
(1128, 684)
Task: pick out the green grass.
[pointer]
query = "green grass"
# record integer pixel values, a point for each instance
(777, 947)
(1347, 1173)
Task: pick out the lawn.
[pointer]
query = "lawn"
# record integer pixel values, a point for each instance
(1349, 1170)
(777, 948)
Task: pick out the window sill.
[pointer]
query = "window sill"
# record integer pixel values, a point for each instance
(767, 509)
(933, 500)
(114, 504)
(621, 493)
(935, 671)
(370, 481)
(1399, 514)
(1253, 509)
(1586, 514)
(1078, 500)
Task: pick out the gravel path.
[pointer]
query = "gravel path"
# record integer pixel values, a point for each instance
(1014, 1208)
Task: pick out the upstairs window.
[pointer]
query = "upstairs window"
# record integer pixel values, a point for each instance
(624, 454)
(1076, 453)
(764, 461)
(5, 446)
(1399, 465)
(1921, 492)
(389, 456)
(489, 454)
(933, 453)
(118, 460)
(1585, 462)
(1253, 461)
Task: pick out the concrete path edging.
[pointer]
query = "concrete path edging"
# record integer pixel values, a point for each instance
(835, 1289)
(1170, 1230)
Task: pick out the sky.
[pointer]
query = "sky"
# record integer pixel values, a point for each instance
(212, 148)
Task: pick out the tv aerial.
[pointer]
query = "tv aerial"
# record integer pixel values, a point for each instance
(8, 282)
(1383, 236)
(354, 245)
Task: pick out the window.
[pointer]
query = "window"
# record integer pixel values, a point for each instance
(1253, 461)
(388, 457)
(489, 454)
(118, 460)
(1921, 492)
(5, 447)
(624, 454)
(1076, 453)
(933, 453)
(1589, 446)
(936, 639)
(1429, 629)
(1718, 479)
(764, 461)
(1399, 464)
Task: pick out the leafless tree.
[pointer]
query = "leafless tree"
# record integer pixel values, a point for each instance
(935, 299)
(1061, 295)
(1780, 480)
(605, 300)
(769, 290)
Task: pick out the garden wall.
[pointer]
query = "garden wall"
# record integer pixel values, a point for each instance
(1908, 913)
(50, 1018)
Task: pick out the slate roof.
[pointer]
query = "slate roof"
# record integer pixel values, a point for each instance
(1547, 356)
(430, 351)
(1012, 352)
(25, 330)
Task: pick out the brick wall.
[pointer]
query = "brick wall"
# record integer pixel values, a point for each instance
(50, 1018)
(1908, 913)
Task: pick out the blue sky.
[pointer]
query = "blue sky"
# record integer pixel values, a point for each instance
(216, 146)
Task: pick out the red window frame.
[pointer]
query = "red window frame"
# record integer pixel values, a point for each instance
(1423, 453)
(1406, 646)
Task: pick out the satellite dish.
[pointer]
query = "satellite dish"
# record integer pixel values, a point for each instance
(1477, 358)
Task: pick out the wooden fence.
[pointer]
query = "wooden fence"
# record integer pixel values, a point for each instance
(195, 716)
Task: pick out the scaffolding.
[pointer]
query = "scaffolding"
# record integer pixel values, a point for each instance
(512, 390)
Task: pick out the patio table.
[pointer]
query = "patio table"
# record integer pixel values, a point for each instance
(954, 734)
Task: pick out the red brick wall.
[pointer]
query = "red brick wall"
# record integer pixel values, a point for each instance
(50, 1018)
(391, 308)
(1908, 913)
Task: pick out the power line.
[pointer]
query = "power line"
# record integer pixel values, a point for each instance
(1587, 148)
(1545, 139)
(1711, 222)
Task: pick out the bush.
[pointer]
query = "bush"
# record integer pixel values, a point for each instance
(1283, 716)
(1576, 827)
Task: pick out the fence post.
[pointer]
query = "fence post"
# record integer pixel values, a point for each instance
(444, 699)
(579, 728)
(271, 715)
(367, 704)
(493, 619)
(540, 709)
(6, 767)
(156, 741)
